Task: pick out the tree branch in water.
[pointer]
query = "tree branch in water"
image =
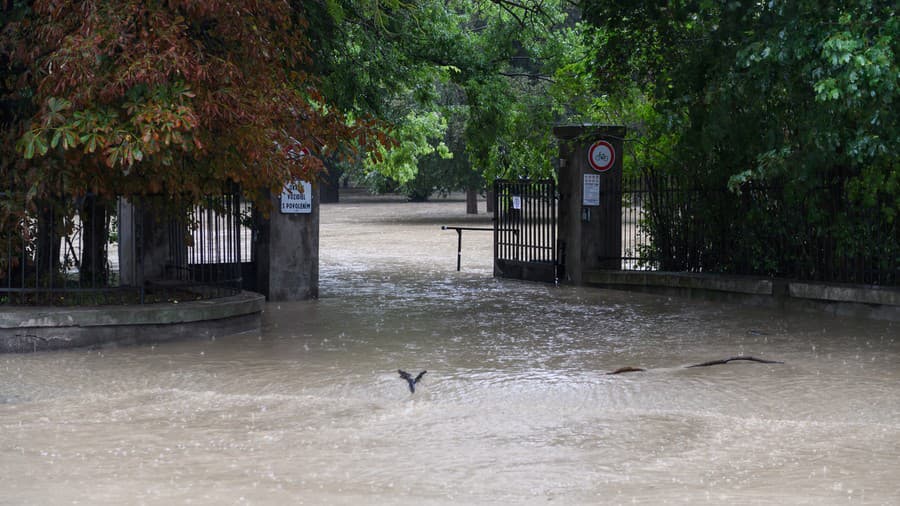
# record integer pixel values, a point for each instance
(725, 361)
(704, 364)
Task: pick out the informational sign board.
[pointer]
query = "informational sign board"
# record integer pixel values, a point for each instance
(516, 202)
(591, 190)
(601, 156)
(296, 198)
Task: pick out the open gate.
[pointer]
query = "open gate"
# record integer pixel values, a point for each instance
(525, 245)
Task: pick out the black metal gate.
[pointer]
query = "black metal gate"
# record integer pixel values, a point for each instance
(525, 245)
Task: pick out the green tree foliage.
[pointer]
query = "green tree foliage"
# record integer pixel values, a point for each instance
(800, 96)
(514, 55)
(413, 140)
(761, 89)
(368, 55)
(484, 66)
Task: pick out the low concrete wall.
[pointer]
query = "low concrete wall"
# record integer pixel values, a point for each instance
(863, 301)
(678, 280)
(28, 329)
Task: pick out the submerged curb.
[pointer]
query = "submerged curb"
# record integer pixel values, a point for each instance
(30, 329)
(859, 301)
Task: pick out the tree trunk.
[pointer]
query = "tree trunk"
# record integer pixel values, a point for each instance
(330, 186)
(94, 232)
(46, 255)
(471, 201)
(489, 202)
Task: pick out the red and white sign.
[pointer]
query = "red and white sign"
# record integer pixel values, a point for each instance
(297, 154)
(601, 156)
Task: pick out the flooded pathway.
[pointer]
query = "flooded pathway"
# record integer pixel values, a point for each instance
(516, 407)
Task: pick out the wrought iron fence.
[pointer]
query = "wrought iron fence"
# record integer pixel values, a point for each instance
(525, 244)
(822, 234)
(64, 250)
(212, 243)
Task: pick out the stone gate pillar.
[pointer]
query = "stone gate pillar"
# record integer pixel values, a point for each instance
(590, 198)
(287, 245)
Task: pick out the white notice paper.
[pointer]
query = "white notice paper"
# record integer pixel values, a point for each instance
(591, 194)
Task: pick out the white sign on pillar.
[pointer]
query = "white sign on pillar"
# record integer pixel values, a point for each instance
(296, 198)
(591, 190)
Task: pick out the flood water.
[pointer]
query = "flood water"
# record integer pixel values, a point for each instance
(516, 407)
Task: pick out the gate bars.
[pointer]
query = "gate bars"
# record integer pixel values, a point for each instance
(525, 245)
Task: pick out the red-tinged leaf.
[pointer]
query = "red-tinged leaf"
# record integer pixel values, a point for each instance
(90, 142)
(40, 145)
(113, 156)
(70, 140)
(54, 141)
(26, 145)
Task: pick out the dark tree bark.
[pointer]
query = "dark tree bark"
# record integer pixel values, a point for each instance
(330, 186)
(47, 247)
(471, 201)
(94, 234)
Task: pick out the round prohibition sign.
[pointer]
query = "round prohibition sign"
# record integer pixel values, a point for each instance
(601, 156)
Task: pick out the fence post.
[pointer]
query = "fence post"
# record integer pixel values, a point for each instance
(287, 251)
(590, 192)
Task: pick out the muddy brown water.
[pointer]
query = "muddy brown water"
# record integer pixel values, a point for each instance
(516, 407)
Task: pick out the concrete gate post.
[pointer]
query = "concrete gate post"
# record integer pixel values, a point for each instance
(590, 198)
(287, 248)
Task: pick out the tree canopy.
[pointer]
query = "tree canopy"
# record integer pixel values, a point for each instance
(790, 105)
(178, 96)
(172, 97)
(761, 90)
(484, 67)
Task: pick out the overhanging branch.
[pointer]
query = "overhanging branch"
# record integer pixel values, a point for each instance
(529, 76)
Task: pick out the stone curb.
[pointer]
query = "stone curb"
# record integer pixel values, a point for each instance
(846, 293)
(731, 284)
(136, 314)
(28, 329)
(859, 301)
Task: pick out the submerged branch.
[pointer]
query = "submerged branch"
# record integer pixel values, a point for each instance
(703, 364)
(725, 361)
(626, 369)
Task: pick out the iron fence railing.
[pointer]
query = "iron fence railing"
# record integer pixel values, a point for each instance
(819, 234)
(64, 250)
(525, 229)
(48, 255)
(526, 220)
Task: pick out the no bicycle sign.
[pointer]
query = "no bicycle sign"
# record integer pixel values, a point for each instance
(601, 156)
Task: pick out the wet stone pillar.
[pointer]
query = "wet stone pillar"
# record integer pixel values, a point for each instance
(590, 198)
(287, 245)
